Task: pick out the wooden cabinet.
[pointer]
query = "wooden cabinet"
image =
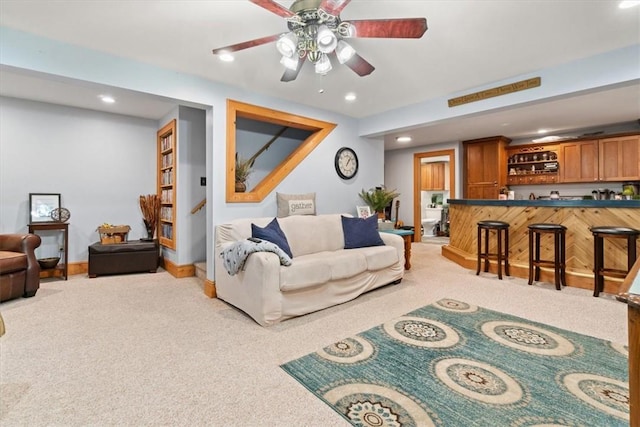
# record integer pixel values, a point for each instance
(619, 158)
(579, 161)
(167, 164)
(484, 167)
(432, 176)
(532, 164)
(607, 159)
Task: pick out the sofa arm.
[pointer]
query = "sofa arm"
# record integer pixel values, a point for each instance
(397, 242)
(26, 244)
(255, 290)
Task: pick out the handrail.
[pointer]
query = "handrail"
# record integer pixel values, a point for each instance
(199, 206)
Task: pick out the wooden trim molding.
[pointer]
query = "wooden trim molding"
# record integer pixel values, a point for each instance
(178, 271)
(319, 129)
(210, 288)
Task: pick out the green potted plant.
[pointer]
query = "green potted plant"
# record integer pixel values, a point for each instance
(378, 199)
(244, 168)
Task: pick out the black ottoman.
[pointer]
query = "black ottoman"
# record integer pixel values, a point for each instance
(125, 257)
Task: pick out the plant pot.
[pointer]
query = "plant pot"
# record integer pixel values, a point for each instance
(241, 187)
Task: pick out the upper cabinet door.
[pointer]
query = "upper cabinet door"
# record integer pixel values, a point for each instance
(579, 161)
(619, 158)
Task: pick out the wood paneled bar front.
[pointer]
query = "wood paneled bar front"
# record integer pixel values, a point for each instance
(577, 215)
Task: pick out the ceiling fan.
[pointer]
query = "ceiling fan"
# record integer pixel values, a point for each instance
(317, 32)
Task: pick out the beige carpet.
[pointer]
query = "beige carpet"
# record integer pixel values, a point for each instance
(147, 349)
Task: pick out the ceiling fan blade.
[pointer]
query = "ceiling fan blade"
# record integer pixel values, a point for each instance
(248, 44)
(274, 7)
(291, 75)
(333, 7)
(358, 64)
(409, 28)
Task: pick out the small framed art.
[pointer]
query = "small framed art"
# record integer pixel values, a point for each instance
(41, 205)
(363, 211)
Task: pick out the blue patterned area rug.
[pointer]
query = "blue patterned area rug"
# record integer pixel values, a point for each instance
(455, 364)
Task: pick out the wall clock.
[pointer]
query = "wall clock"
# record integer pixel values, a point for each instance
(346, 163)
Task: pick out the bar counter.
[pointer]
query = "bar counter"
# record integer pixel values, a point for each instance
(577, 215)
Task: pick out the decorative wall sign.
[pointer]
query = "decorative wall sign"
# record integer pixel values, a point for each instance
(496, 91)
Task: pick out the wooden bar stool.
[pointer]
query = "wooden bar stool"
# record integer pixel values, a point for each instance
(599, 270)
(558, 263)
(502, 254)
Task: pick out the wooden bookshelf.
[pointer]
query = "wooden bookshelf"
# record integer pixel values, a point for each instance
(167, 164)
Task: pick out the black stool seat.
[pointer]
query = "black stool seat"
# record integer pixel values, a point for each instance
(558, 263)
(617, 231)
(493, 224)
(502, 253)
(599, 270)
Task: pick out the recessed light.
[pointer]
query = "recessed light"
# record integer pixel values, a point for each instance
(541, 131)
(626, 4)
(226, 57)
(350, 96)
(107, 99)
(403, 139)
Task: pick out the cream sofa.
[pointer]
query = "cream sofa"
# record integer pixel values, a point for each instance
(322, 272)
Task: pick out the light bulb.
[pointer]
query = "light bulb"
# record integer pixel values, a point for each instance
(323, 66)
(290, 63)
(286, 45)
(344, 51)
(326, 40)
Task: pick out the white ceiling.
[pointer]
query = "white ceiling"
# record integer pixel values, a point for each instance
(469, 43)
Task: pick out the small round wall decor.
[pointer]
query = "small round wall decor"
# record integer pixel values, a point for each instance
(60, 214)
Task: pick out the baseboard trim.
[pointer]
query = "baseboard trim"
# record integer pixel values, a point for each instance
(178, 271)
(210, 288)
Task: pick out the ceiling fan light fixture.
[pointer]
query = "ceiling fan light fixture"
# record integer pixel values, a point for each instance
(286, 45)
(344, 51)
(289, 62)
(326, 39)
(323, 66)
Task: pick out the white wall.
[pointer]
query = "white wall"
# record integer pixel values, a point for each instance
(100, 163)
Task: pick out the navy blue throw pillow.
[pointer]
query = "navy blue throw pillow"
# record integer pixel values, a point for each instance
(272, 233)
(360, 233)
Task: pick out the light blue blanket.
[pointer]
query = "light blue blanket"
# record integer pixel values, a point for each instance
(235, 255)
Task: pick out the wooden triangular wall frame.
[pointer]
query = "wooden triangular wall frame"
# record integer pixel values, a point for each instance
(319, 131)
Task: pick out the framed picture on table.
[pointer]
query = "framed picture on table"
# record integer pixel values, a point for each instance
(41, 205)
(363, 211)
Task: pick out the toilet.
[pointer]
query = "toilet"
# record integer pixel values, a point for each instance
(432, 217)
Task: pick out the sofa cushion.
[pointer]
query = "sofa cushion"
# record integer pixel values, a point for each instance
(379, 257)
(272, 233)
(306, 271)
(361, 232)
(12, 261)
(317, 269)
(312, 234)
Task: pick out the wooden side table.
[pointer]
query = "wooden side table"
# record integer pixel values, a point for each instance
(407, 236)
(55, 226)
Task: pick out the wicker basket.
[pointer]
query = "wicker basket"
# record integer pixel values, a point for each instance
(113, 234)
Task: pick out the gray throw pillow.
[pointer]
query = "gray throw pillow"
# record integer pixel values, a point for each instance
(296, 204)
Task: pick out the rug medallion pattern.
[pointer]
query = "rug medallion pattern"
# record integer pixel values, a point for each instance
(455, 364)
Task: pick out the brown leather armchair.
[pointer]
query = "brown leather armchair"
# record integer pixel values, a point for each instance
(19, 268)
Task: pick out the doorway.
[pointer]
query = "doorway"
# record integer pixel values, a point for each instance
(418, 159)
